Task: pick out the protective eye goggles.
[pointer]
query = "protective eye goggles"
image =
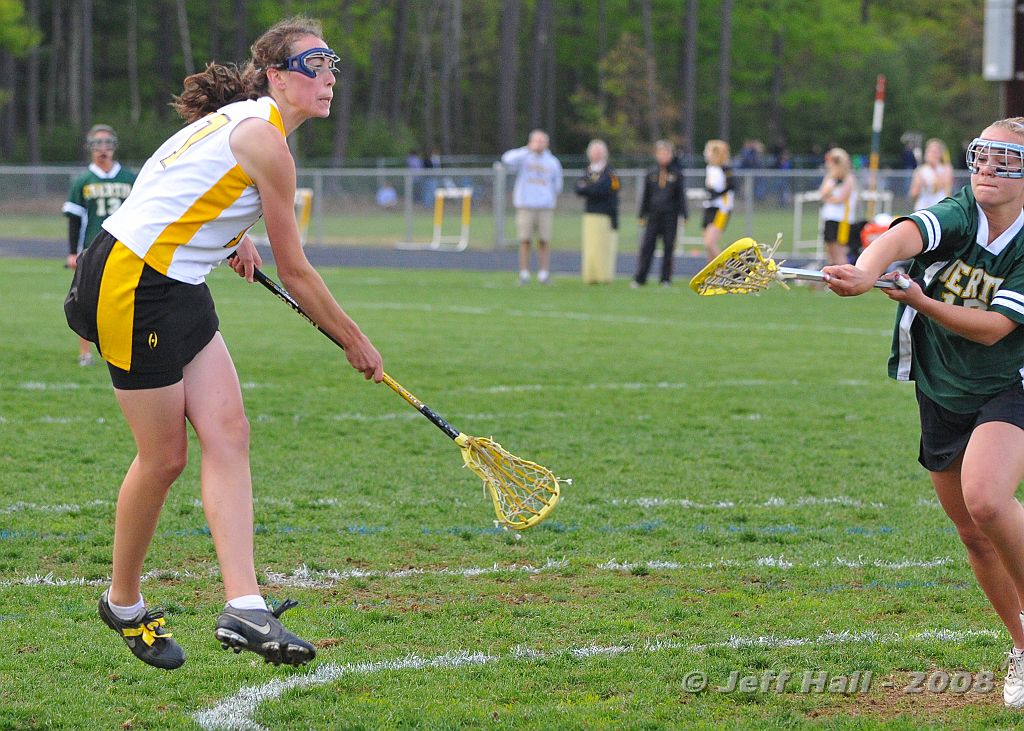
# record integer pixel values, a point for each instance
(311, 62)
(1006, 158)
(99, 143)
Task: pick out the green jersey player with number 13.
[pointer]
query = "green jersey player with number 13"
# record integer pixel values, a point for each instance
(94, 195)
(958, 337)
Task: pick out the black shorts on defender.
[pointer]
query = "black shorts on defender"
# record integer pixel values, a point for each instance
(147, 326)
(945, 433)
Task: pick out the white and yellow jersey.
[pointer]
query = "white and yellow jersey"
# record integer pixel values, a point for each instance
(192, 202)
(716, 182)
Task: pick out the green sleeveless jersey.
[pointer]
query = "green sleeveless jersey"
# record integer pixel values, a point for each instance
(94, 195)
(959, 266)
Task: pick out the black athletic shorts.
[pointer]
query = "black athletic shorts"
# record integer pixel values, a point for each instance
(717, 217)
(831, 233)
(147, 326)
(945, 433)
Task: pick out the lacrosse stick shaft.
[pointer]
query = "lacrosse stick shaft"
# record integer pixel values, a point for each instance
(813, 275)
(395, 386)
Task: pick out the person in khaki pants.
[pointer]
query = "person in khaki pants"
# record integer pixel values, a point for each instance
(538, 183)
(600, 187)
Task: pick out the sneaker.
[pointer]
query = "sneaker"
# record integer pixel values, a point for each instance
(1013, 688)
(260, 631)
(145, 636)
(543, 277)
(665, 283)
(85, 359)
(524, 278)
(635, 285)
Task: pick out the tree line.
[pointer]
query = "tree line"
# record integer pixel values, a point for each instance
(472, 77)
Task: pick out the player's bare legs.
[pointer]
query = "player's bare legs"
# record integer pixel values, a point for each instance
(711, 236)
(543, 261)
(213, 405)
(982, 554)
(836, 253)
(524, 261)
(156, 418)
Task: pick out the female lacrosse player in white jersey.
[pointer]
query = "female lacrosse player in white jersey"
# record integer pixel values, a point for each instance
(719, 184)
(139, 294)
(838, 192)
(933, 180)
(958, 336)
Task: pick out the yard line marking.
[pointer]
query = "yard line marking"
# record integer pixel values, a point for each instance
(770, 502)
(780, 562)
(304, 577)
(236, 711)
(621, 319)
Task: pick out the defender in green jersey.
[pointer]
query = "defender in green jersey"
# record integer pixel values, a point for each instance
(958, 337)
(94, 195)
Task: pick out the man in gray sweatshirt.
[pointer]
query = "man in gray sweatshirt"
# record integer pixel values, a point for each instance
(538, 183)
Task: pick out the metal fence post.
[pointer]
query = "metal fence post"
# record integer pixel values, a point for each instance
(748, 204)
(499, 205)
(408, 205)
(318, 206)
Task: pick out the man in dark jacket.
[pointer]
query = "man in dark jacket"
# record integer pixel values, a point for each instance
(662, 205)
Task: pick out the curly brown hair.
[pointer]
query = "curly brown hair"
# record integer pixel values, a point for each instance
(219, 84)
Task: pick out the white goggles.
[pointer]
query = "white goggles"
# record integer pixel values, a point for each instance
(1006, 158)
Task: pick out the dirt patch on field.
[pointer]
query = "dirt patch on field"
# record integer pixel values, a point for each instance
(891, 696)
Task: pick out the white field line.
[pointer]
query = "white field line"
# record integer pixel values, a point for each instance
(769, 502)
(691, 324)
(236, 711)
(647, 386)
(780, 562)
(641, 502)
(304, 577)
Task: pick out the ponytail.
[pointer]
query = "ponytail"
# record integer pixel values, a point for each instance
(220, 84)
(215, 86)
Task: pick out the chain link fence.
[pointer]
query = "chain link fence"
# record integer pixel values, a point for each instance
(392, 207)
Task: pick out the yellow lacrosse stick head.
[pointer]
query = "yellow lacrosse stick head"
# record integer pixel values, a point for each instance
(744, 266)
(523, 492)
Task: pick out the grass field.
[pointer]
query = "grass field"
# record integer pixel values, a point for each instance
(745, 498)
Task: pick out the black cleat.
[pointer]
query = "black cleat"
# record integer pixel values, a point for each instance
(145, 636)
(261, 631)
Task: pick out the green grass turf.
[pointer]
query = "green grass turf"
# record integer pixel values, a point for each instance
(771, 415)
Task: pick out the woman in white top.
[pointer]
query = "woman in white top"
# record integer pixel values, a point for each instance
(932, 180)
(838, 193)
(718, 182)
(139, 293)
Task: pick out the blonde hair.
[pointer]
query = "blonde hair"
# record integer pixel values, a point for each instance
(716, 152)
(1013, 124)
(944, 151)
(840, 158)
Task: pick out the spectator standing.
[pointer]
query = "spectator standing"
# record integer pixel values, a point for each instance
(718, 182)
(662, 205)
(838, 202)
(600, 187)
(538, 183)
(932, 180)
(94, 195)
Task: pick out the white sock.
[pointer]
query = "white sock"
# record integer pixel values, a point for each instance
(542, 275)
(248, 601)
(524, 273)
(126, 613)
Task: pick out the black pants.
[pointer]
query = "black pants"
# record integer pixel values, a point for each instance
(658, 224)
